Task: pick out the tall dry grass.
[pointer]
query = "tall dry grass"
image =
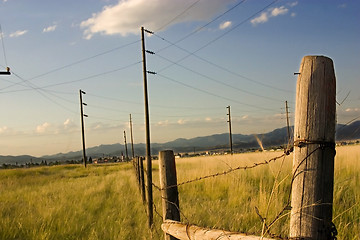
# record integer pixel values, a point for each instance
(103, 202)
(231, 201)
(70, 202)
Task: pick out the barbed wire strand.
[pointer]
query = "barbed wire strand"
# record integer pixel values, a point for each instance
(254, 165)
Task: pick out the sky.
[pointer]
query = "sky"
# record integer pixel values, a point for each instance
(209, 54)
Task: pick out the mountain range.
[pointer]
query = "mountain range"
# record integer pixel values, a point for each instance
(214, 142)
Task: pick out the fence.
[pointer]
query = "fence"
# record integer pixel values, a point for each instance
(313, 166)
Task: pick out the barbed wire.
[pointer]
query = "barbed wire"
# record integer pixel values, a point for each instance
(287, 207)
(254, 165)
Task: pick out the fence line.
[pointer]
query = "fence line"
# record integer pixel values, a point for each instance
(233, 235)
(265, 162)
(313, 167)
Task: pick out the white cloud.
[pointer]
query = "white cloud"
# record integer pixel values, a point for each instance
(3, 129)
(127, 16)
(352, 110)
(181, 121)
(274, 12)
(263, 18)
(225, 25)
(69, 125)
(163, 123)
(50, 28)
(293, 4)
(279, 11)
(43, 127)
(342, 5)
(18, 33)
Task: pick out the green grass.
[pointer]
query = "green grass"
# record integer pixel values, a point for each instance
(70, 202)
(103, 201)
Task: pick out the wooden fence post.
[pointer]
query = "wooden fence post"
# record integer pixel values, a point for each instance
(138, 171)
(136, 167)
(169, 190)
(142, 180)
(314, 151)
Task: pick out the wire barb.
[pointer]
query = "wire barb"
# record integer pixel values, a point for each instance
(148, 31)
(151, 72)
(150, 52)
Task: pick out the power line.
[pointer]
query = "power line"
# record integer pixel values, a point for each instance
(45, 96)
(220, 82)
(212, 41)
(72, 81)
(217, 66)
(176, 17)
(77, 62)
(212, 94)
(152, 105)
(202, 27)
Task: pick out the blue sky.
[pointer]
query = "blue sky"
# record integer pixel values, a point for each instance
(226, 52)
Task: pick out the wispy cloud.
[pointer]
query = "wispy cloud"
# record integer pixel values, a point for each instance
(43, 127)
(293, 4)
(18, 33)
(3, 129)
(163, 123)
(69, 125)
(273, 12)
(279, 11)
(225, 25)
(352, 110)
(181, 121)
(152, 14)
(263, 18)
(342, 5)
(50, 28)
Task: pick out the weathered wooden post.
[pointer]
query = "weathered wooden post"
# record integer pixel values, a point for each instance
(142, 180)
(136, 167)
(314, 150)
(169, 190)
(137, 162)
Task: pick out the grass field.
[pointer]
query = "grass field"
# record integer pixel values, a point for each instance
(103, 201)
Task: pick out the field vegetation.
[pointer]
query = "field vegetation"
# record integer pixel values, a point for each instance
(103, 201)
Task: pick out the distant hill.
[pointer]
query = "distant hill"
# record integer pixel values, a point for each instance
(348, 132)
(19, 159)
(214, 142)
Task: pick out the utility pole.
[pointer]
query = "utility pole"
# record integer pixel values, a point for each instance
(230, 134)
(82, 124)
(147, 129)
(132, 139)
(287, 121)
(126, 151)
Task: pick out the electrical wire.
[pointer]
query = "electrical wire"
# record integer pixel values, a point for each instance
(214, 40)
(202, 27)
(217, 66)
(219, 82)
(77, 62)
(177, 16)
(72, 81)
(44, 95)
(212, 94)
(152, 105)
